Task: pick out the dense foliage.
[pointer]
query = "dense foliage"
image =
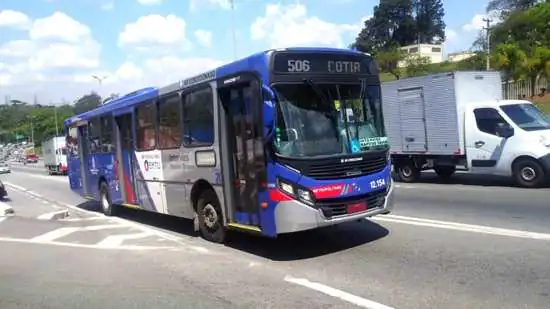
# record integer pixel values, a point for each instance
(520, 41)
(22, 121)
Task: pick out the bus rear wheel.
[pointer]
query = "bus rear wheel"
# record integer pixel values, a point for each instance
(107, 206)
(211, 217)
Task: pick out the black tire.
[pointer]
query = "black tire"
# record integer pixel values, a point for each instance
(445, 172)
(210, 215)
(408, 172)
(105, 202)
(528, 173)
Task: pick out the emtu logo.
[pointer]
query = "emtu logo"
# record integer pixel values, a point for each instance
(347, 160)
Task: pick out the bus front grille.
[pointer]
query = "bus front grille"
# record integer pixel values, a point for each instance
(337, 170)
(338, 207)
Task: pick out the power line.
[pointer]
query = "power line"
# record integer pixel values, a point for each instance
(487, 29)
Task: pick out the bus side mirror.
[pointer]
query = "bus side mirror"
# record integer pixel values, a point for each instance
(268, 107)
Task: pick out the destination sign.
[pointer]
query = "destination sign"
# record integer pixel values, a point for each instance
(318, 63)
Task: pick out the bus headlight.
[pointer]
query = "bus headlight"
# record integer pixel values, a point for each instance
(299, 193)
(305, 196)
(286, 187)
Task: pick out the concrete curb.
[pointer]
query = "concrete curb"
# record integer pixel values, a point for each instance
(6, 210)
(56, 215)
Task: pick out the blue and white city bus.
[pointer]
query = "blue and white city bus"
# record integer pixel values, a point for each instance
(281, 141)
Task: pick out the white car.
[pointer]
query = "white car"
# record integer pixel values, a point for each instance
(4, 167)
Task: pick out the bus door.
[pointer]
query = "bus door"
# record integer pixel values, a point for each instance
(84, 150)
(243, 163)
(125, 158)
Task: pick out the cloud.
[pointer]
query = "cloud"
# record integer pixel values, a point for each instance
(149, 2)
(155, 33)
(14, 19)
(204, 37)
(59, 26)
(60, 55)
(290, 25)
(223, 4)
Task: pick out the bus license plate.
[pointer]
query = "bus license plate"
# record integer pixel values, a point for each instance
(356, 207)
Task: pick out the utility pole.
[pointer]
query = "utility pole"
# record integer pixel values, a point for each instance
(233, 29)
(487, 29)
(55, 119)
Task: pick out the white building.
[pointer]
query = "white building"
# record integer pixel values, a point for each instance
(459, 56)
(434, 52)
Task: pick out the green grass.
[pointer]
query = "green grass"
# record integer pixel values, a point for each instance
(543, 103)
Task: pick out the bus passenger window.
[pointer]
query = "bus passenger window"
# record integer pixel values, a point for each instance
(146, 127)
(170, 123)
(94, 135)
(198, 118)
(106, 134)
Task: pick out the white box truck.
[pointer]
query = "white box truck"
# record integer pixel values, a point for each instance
(459, 119)
(55, 155)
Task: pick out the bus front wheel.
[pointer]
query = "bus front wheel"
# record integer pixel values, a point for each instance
(210, 217)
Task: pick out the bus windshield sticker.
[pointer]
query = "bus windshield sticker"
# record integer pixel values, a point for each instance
(369, 142)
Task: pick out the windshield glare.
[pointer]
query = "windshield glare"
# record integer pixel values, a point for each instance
(527, 116)
(325, 119)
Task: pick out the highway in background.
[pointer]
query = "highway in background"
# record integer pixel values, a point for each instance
(470, 243)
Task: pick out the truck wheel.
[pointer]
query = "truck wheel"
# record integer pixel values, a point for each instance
(107, 206)
(528, 173)
(408, 172)
(211, 217)
(445, 172)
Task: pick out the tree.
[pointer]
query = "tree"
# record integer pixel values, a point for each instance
(416, 65)
(510, 59)
(392, 25)
(388, 61)
(510, 5)
(537, 64)
(87, 102)
(429, 21)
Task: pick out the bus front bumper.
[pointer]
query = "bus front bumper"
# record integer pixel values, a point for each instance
(294, 216)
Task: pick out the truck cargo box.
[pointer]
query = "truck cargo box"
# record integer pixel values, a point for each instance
(424, 115)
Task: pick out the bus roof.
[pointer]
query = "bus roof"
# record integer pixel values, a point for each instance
(257, 61)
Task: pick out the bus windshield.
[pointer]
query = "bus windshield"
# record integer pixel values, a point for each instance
(328, 119)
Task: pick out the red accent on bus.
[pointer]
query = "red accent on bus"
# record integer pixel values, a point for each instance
(278, 196)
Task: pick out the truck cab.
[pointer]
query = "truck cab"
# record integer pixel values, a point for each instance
(508, 138)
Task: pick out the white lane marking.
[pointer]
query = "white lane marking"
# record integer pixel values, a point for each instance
(84, 219)
(127, 223)
(345, 296)
(64, 231)
(481, 229)
(117, 240)
(86, 246)
(15, 186)
(52, 215)
(2, 219)
(54, 178)
(35, 194)
(55, 234)
(133, 224)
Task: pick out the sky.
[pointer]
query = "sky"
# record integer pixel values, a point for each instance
(50, 49)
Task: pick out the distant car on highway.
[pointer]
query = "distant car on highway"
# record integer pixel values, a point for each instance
(4, 167)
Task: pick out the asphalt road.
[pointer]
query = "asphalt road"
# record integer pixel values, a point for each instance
(454, 245)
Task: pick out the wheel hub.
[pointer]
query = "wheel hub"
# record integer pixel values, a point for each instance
(104, 202)
(210, 216)
(528, 173)
(407, 171)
